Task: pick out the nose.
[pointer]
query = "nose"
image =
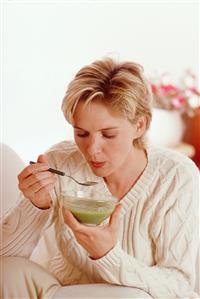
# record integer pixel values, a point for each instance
(94, 147)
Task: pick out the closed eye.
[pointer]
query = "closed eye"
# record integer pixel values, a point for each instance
(87, 134)
(109, 136)
(83, 135)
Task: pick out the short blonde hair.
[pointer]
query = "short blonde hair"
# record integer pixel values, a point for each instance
(119, 84)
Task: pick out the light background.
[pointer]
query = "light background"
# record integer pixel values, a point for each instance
(44, 43)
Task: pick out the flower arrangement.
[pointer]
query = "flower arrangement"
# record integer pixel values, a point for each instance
(183, 97)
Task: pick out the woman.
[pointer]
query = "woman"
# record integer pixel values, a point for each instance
(150, 240)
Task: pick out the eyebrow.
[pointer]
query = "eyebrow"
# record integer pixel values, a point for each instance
(104, 129)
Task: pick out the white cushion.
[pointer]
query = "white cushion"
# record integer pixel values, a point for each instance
(99, 291)
(11, 165)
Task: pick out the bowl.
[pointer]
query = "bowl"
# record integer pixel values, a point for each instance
(89, 209)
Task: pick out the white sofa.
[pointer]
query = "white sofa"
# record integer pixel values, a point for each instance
(11, 165)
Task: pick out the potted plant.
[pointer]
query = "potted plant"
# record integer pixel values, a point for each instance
(171, 102)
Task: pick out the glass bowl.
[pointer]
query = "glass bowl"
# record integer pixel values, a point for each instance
(89, 209)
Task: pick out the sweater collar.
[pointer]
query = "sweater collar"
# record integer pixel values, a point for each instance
(140, 188)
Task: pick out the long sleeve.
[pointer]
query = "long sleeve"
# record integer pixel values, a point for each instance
(22, 226)
(158, 235)
(21, 229)
(175, 237)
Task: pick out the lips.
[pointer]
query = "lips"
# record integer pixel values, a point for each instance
(97, 164)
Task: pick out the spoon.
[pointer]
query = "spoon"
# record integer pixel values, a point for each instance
(87, 183)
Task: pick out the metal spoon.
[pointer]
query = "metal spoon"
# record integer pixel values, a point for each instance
(87, 183)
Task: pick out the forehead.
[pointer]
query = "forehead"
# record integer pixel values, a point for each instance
(97, 114)
(96, 108)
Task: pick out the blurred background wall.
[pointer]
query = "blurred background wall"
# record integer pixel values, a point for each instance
(44, 43)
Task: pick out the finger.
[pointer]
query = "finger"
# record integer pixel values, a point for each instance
(34, 178)
(37, 179)
(42, 159)
(41, 185)
(44, 191)
(70, 220)
(31, 169)
(115, 217)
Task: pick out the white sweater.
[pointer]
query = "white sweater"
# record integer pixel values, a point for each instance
(158, 239)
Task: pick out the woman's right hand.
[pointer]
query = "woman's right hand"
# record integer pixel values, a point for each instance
(35, 182)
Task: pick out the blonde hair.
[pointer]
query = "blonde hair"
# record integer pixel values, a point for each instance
(121, 85)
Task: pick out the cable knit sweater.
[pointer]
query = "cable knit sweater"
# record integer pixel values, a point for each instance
(158, 238)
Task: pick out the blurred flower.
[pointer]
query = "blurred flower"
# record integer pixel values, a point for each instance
(178, 101)
(183, 97)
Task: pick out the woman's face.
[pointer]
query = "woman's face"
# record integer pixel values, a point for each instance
(104, 137)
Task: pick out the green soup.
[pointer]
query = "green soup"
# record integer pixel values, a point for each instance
(87, 210)
(90, 217)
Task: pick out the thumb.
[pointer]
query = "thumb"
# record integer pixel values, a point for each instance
(115, 217)
(42, 159)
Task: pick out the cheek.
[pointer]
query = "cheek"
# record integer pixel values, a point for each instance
(123, 143)
(118, 149)
(79, 143)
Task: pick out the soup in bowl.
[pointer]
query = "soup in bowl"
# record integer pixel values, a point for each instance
(89, 209)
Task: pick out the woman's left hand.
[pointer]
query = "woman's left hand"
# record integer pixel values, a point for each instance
(97, 240)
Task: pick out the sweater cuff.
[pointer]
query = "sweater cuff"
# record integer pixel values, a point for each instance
(112, 258)
(32, 210)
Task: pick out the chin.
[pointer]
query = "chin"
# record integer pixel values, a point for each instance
(101, 172)
(98, 172)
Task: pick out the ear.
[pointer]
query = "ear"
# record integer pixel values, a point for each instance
(141, 126)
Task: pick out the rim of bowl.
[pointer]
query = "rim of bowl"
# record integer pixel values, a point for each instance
(74, 195)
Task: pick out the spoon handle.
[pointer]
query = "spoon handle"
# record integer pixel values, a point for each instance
(52, 170)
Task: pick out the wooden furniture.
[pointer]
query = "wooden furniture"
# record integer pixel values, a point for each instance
(192, 135)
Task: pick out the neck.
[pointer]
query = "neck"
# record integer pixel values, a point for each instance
(126, 176)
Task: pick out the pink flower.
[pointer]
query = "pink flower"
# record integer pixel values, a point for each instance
(194, 90)
(168, 89)
(183, 96)
(179, 101)
(154, 88)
